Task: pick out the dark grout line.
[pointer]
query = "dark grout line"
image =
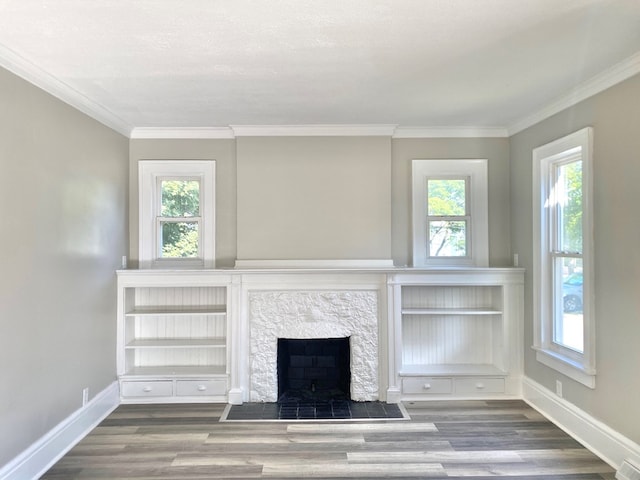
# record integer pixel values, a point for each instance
(310, 410)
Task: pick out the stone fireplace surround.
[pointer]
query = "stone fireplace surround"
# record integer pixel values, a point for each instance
(308, 314)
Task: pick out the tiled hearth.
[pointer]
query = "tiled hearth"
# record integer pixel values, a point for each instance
(314, 410)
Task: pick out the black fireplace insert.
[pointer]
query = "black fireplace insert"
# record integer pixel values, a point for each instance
(314, 369)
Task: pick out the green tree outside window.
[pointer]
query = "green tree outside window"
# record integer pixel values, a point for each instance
(180, 210)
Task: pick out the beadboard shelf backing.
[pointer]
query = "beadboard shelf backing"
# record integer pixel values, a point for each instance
(457, 335)
(173, 337)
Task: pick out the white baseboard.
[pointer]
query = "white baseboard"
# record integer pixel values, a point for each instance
(613, 447)
(39, 457)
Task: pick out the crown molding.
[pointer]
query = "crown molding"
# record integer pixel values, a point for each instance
(182, 133)
(383, 130)
(370, 130)
(600, 82)
(26, 70)
(450, 132)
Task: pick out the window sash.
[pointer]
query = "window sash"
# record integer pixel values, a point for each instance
(467, 235)
(151, 174)
(160, 221)
(551, 256)
(474, 173)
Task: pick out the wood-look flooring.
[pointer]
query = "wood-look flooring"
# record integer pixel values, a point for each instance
(443, 440)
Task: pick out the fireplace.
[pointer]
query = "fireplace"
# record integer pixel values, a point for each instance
(314, 369)
(308, 315)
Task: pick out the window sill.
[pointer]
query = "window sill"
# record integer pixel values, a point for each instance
(566, 366)
(178, 264)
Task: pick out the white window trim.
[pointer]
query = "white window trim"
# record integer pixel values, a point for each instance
(579, 366)
(149, 174)
(478, 234)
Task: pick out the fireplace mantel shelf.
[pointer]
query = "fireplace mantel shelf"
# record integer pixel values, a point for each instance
(319, 270)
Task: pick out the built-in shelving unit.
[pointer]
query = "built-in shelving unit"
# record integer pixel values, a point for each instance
(173, 336)
(457, 333)
(188, 336)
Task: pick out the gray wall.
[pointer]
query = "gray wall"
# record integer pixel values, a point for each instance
(615, 116)
(496, 150)
(324, 197)
(63, 191)
(314, 198)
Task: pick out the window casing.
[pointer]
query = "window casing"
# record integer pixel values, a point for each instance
(177, 223)
(450, 218)
(564, 324)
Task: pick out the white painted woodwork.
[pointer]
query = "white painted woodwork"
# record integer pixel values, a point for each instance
(457, 332)
(610, 445)
(427, 385)
(209, 335)
(185, 388)
(477, 210)
(146, 389)
(174, 329)
(48, 449)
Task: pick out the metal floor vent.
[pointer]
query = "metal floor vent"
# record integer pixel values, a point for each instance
(628, 471)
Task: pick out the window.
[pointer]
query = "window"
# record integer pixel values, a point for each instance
(176, 213)
(450, 213)
(563, 299)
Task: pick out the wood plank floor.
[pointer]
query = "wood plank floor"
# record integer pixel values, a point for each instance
(443, 440)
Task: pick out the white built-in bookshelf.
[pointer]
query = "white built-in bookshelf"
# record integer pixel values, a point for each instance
(173, 337)
(458, 332)
(185, 335)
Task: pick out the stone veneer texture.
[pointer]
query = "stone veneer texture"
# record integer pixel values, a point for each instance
(313, 314)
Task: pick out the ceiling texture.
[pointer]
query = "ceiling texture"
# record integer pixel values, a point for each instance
(144, 65)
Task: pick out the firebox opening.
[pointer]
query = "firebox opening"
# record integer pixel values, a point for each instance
(314, 369)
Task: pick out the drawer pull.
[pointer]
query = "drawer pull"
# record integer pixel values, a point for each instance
(479, 386)
(427, 386)
(147, 388)
(202, 388)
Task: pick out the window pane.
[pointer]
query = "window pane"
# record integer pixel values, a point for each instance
(569, 324)
(448, 238)
(180, 198)
(179, 239)
(570, 207)
(446, 197)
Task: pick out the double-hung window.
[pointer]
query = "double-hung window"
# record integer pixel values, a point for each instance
(563, 268)
(176, 214)
(450, 213)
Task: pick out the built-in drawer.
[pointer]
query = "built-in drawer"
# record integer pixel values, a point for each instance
(201, 387)
(479, 385)
(147, 389)
(427, 385)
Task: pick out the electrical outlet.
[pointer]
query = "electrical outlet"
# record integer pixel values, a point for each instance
(85, 396)
(559, 388)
